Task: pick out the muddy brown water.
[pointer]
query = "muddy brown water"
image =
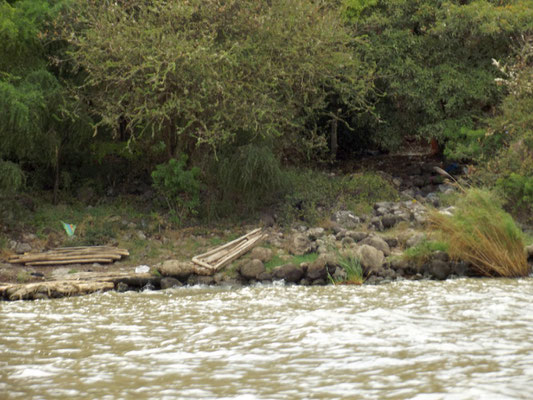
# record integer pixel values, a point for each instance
(459, 339)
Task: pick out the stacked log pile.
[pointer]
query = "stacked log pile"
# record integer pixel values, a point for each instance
(71, 255)
(217, 258)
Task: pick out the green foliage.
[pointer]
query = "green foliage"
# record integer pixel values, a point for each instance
(421, 253)
(434, 60)
(354, 271)
(481, 233)
(11, 177)
(314, 194)
(179, 186)
(251, 176)
(214, 72)
(470, 144)
(518, 189)
(42, 121)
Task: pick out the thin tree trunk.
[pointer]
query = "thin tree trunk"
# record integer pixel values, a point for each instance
(56, 179)
(334, 144)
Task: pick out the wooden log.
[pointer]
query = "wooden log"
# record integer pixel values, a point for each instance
(75, 261)
(229, 243)
(231, 257)
(212, 259)
(56, 257)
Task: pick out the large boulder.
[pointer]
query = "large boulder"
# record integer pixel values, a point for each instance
(378, 243)
(261, 253)
(252, 269)
(289, 273)
(176, 269)
(300, 245)
(168, 282)
(439, 269)
(371, 258)
(346, 219)
(319, 268)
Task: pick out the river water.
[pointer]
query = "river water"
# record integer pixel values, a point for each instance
(458, 339)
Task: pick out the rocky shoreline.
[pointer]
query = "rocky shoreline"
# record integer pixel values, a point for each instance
(372, 239)
(379, 240)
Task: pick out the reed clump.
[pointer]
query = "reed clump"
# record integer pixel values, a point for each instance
(482, 233)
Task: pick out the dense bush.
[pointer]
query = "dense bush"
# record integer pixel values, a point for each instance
(179, 186)
(434, 61)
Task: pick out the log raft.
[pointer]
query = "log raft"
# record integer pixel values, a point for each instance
(218, 258)
(71, 255)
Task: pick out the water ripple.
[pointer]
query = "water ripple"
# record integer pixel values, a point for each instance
(459, 339)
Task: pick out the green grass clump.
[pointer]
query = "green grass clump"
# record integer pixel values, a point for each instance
(482, 233)
(421, 253)
(354, 271)
(277, 260)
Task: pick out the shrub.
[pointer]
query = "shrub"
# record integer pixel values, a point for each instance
(180, 187)
(250, 176)
(481, 233)
(11, 177)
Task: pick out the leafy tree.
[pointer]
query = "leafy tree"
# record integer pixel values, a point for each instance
(200, 75)
(40, 117)
(434, 60)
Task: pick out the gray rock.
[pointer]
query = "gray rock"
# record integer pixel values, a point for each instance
(381, 211)
(289, 273)
(319, 268)
(300, 245)
(21, 248)
(439, 269)
(122, 287)
(141, 235)
(357, 236)
(371, 258)
(346, 219)
(261, 253)
(265, 276)
(398, 263)
(315, 233)
(383, 204)
(318, 282)
(440, 255)
(347, 241)
(461, 268)
(378, 243)
(529, 251)
(375, 223)
(200, 280)
(389, 221)
(391, 241)
(252, 269)
(415, 239)
(168, 282)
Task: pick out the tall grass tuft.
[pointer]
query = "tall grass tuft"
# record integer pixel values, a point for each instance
(481, 233)
(354, 271)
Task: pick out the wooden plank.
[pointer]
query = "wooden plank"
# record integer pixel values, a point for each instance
(212, 259)
(55, 257)
(78, 261)
(228, 259)
(229, 243)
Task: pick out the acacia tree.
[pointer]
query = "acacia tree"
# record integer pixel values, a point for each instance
(202, 74)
